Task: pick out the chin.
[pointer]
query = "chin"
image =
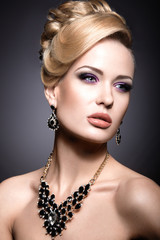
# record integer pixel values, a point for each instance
(96, 136)
(97, 140)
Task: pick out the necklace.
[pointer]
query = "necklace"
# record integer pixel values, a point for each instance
(56, 216)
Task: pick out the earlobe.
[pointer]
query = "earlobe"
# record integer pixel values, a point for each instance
(50, 94)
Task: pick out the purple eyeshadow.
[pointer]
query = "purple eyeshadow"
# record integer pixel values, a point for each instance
(88, 77)
(123, 87)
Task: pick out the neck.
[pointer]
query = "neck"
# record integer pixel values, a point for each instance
(75, 162)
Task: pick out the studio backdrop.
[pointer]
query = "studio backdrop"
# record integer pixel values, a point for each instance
(25, 139)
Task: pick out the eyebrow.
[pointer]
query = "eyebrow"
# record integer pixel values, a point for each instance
(92, 68)
(101, 73)
(123, 77)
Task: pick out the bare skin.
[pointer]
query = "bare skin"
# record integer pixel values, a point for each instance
(122, 205)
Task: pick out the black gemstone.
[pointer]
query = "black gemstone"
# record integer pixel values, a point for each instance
(47, 192)
(70, 214)
(51, 202)
(53, 233)
(74, 202)
(69, 199)
(40, 203)
(52, 196)
(78, 206)
(46, 223)
(49, 229)
(62, 224)
(41, 190)
(81, 188)
(63, 210)
(87, 187)
(64, 218)
(43, 184)
(46, 200)
(41, 196)
(69, 207)
(60, 206)
(85, 193)
(59, 230)
(49, 209)
(45, 204)
(80, 198)
(42, 213)
(75, 194)
(46, 216)
(58, 212)
(65, 204)
(54, 206)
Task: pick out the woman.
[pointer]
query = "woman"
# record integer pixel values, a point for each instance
(83, 192)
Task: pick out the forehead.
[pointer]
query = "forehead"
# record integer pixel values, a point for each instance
(108, 55)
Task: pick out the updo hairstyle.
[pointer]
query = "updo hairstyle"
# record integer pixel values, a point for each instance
(72, 29)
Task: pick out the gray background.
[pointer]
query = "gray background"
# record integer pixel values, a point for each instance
(25, 139)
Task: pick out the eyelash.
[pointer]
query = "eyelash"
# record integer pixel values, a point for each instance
(92, 79)
(88, 78)
(123, 87)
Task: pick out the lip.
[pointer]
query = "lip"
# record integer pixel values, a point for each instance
(101, 120)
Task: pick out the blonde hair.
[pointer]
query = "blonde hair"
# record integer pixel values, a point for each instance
(72, 29)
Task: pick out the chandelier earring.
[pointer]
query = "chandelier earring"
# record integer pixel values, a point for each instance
(52, 120)
(118, 136)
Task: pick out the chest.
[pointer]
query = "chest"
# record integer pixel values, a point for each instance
(97, 220)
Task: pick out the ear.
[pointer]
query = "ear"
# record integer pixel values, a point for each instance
(50, 94)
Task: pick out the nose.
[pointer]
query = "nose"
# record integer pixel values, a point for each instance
(105, 96)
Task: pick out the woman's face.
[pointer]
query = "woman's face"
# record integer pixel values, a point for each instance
(93, 96)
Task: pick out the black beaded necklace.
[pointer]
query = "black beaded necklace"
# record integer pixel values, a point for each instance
(56, 216)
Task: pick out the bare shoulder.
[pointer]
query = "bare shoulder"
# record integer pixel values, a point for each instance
(138, 201)
(15, 193)
(18, 188)
(20, 181)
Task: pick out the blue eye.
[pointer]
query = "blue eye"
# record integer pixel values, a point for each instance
(123, 87)
(88, 77)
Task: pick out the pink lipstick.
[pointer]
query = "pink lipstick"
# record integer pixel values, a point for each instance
(101, 120)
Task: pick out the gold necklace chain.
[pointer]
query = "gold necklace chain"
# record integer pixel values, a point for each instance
(56, 216)
(47, 166)
(92, 180)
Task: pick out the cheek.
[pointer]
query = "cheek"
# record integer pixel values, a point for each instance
(66, 95)
(70, 101)
(121, 105)
(74, 96)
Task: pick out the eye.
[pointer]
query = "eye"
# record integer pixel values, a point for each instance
(123, 87)
(88, 77)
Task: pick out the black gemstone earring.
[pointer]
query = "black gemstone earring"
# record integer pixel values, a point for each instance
(53, 121)
(118, 137)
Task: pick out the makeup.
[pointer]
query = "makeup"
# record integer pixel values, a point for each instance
(88, 78)
(101, 120)
(122, 86)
